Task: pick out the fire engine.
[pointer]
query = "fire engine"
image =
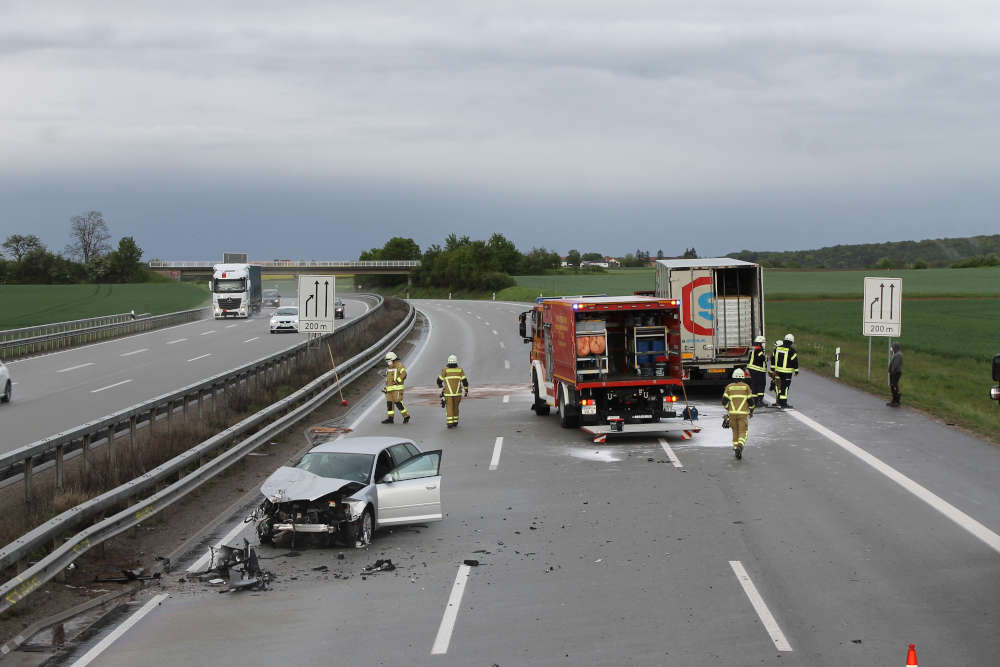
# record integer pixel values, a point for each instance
(608, 365)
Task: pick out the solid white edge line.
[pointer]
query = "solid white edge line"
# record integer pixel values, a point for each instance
(103, 645)
(990, 538)
(447, 626)
(670, 453)
(771, 625)
(201, 357)
(73, 368)
(204, 559)
(129, 354)
(110, 386)
(497, 448)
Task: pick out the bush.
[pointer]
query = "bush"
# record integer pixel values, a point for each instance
(920, 264)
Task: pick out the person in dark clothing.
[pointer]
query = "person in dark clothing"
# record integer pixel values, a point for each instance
(895, 372)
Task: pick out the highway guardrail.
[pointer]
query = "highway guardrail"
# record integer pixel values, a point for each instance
(304, 264)
(53, 340)
(264, 426)
(58, 327)
(22, 461)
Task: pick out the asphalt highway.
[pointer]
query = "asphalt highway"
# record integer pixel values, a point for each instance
(848, 531)
(58, 391)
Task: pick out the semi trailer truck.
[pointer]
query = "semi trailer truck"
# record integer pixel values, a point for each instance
(236, 290)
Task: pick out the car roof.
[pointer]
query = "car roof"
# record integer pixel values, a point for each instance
(371, 444)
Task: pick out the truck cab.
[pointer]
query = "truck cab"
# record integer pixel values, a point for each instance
(236, 290)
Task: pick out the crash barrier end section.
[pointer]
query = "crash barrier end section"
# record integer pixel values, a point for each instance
(312, 395)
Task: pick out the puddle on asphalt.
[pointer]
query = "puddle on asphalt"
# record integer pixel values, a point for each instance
(590, 454)
(713, 435)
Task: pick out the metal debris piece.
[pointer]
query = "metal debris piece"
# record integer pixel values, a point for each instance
(137, 574)
(381, 565)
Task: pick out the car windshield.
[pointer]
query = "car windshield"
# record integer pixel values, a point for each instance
(287, 311)
(339, 302)
(270, 294)
(338, 465)
(229, 285)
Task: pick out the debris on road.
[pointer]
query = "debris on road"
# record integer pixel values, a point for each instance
(136, 574)
(381, 565)
(471, 562)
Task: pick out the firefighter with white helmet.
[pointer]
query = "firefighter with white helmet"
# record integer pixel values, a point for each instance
(757, 367)
(785, 364)
(453, 383)
(395, 377)
(738, 400)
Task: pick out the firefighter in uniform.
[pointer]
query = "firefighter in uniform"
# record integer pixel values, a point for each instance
(452, 382)
(395, 376)
(739, 404)
(785, 365)
(758, 370)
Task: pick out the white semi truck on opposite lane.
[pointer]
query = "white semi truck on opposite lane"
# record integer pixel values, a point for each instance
(236, 290)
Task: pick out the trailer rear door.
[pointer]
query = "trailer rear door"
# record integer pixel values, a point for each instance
(693, 287)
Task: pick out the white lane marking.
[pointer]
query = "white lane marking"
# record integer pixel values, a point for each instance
(129, 354)
(495, 333)
(205, 333)
(670, 453)
(941, 505)
(478, 318)
(200, 357)
(73, 368)
(230, 326)
(497, 448)
(204, 559)
(179, 340)
(771, 625)
(502, 346)
(250, 340)
(110, 386)
(447, 626)
(467, 313)
(103, 645)
(506, 364)
(506, 398)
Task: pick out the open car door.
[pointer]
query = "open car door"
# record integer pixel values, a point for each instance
(414, 493)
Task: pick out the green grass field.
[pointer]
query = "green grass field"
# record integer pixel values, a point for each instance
(981, 281)
(28, 305)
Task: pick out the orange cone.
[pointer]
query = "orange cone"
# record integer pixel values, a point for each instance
(911, 656)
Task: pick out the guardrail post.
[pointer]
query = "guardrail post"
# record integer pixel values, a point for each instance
(60, 467)
(29, 468)
(131, 431)
(152, 420)
(85, 453)
(170, 414)
(111, 444)
(201, 401)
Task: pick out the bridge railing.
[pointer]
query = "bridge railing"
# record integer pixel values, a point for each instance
(305, 264)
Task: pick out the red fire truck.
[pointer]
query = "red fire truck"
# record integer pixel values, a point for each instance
(608, 365)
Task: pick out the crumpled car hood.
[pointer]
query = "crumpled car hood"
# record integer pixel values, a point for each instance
(297, 484)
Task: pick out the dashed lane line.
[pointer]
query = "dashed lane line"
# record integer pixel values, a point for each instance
(179, 340)
(771, 625)
(497, 448)
(205, 333)
(77, 367)
(139, 351)
(230, 326)
(941, 505)
(502, 346)
(506, 398)
(670, 453)
(200, 357)
(447, 627)
(506, 364)
(110, 386)
(495, 333)
(250, 340)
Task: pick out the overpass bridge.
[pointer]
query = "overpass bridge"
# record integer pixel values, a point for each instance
(178, 270)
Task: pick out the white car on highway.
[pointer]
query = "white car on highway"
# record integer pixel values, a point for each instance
(6, 386)
(285, 318)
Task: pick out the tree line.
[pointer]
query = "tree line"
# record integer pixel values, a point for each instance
(953, 252)
(87, 258)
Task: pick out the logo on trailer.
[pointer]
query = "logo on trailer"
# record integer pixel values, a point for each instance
(698, 291)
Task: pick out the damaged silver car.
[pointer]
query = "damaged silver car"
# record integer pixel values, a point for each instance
(349, 488)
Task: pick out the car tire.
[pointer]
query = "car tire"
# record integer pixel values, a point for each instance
(360, 531)
(8, 391)
(540, 407)
(568, 417)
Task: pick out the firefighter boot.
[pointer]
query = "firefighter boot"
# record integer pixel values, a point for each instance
(388, 420)
(406, 419)
(738, 451)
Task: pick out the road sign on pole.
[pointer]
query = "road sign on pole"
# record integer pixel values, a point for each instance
(883, 307)
(317, 304)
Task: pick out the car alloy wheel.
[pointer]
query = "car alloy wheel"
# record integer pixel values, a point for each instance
(365, 532)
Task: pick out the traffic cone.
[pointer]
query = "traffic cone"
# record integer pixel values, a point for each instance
(911, 656)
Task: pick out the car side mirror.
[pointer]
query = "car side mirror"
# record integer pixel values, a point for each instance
(387, 478)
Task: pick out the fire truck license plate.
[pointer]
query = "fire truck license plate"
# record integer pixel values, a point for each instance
(588, 409)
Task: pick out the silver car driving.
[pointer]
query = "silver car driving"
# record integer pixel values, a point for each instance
(349, 488)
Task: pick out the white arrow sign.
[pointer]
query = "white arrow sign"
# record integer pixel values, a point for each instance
(883, 307)
(317, 303)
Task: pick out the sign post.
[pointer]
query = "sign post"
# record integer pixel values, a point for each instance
(317, 304)
(881, 311)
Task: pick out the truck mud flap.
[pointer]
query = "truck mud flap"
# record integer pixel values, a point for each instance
(602, 431)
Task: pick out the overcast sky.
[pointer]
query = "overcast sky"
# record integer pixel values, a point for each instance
(318, 129)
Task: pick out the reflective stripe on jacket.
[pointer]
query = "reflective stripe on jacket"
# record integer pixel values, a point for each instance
(758, 360)
(736, 398)
(395, 376)
(452, 378)
(786, 360)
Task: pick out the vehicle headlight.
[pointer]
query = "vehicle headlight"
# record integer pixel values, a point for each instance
(995, 393)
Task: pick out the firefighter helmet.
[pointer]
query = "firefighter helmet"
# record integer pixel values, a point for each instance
(452, 359)
(790, 338)
(760, 339)
(738, 374)
(390, 356)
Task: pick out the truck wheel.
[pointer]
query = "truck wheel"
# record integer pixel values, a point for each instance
(540, 407)
(569, 417)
